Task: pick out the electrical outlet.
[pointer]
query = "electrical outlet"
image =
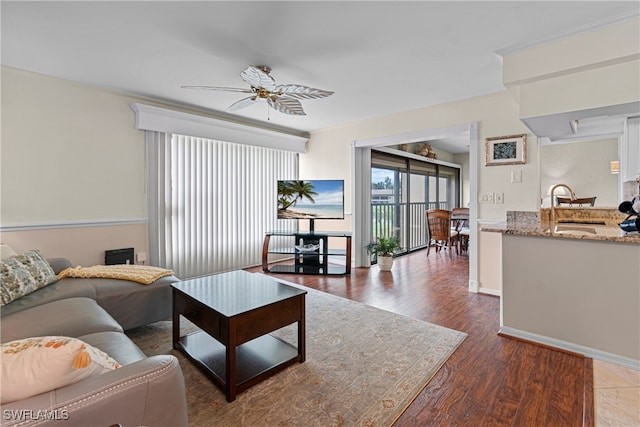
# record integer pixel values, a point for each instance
(498, 197)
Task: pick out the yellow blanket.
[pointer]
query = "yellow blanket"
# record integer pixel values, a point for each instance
(137, 273)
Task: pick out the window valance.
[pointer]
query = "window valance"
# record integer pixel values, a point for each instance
(158, 119)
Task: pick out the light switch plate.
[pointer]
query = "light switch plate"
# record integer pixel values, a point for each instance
(485, 198)
(498, 197)
(516, 177)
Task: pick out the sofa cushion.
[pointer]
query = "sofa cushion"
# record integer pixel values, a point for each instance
(117, 345)
(62, 289)
(36, 365)
(23, 274)
(133, 304)
(69, 317)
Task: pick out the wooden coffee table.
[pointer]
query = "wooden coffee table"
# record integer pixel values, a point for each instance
(236, 311)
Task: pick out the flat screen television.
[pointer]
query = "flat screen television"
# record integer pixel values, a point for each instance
(311, 199)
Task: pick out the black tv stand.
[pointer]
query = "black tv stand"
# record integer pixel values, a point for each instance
(310, 251)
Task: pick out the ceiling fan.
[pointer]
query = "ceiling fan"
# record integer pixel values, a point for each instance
(282, 98)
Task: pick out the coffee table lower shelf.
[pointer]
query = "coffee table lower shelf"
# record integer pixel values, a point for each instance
(256, 360)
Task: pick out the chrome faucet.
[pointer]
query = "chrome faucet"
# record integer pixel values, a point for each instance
(553, 203)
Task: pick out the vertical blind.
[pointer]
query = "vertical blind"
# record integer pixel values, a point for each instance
(211, 202)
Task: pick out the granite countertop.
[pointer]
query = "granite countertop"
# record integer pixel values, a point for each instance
(521, 224)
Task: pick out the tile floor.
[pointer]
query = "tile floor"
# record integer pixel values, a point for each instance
(617, 395)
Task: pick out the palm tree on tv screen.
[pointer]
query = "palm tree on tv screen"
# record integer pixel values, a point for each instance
(289, 192)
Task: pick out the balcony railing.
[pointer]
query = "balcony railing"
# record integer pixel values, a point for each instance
(390, 219)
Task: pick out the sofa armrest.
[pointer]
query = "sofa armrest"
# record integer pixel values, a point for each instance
(59, 264)
(150, 392)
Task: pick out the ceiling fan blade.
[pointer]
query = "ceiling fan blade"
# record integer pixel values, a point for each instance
(286, 105)
(228, 89)
(302, 92)
(258, 78)
(244, 102)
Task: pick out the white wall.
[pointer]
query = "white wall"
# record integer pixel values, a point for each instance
(490, 258)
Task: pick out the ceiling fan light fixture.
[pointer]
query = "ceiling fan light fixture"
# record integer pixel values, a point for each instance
(264, 68)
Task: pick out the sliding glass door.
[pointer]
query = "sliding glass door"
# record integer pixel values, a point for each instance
(402, 190)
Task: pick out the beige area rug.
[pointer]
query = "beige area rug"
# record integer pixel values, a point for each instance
(363, 367)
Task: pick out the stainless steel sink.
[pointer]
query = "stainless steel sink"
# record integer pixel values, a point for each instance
(575, 228)
(581, 223)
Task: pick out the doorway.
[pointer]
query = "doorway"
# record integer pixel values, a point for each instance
(361, 166)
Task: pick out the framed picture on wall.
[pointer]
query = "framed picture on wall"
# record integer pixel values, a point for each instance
(506, 150)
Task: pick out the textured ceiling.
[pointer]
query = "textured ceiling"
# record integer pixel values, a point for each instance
(378, 57)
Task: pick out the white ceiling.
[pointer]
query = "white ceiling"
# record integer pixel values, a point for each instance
(378, 57)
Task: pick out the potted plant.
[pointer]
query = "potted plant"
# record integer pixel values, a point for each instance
(384, 248)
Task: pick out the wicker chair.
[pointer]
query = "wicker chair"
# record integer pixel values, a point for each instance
(440, 233)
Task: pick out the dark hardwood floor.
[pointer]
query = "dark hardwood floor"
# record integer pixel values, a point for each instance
(490, 380)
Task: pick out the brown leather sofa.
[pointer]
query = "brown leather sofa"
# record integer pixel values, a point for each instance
(144, 391)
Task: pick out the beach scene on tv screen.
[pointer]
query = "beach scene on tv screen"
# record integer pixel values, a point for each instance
(311, 199)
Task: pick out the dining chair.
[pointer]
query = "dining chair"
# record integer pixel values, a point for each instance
(591, 201)
(440, 233)
(460, 219)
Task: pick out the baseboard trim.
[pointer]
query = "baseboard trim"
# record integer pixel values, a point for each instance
(53, 225)
(474, 286)
(492, 292)
(571, 347)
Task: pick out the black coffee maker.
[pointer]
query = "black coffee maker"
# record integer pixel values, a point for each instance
(632, 209)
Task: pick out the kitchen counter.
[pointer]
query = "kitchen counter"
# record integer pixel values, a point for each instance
(565, 230)
(573, 286)
(569, 227)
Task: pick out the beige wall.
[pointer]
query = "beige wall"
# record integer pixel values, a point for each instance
(587, 50)
(583, 166)
(70, 153)
(611, 85)
(83, 245)
(587, 70)
(71, 161)
(329, 152)
(581, 292)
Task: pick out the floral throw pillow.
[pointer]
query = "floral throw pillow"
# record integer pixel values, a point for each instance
(31, 366)
(23, 274)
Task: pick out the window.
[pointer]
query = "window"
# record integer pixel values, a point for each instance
(211, 202)
(402, 190)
